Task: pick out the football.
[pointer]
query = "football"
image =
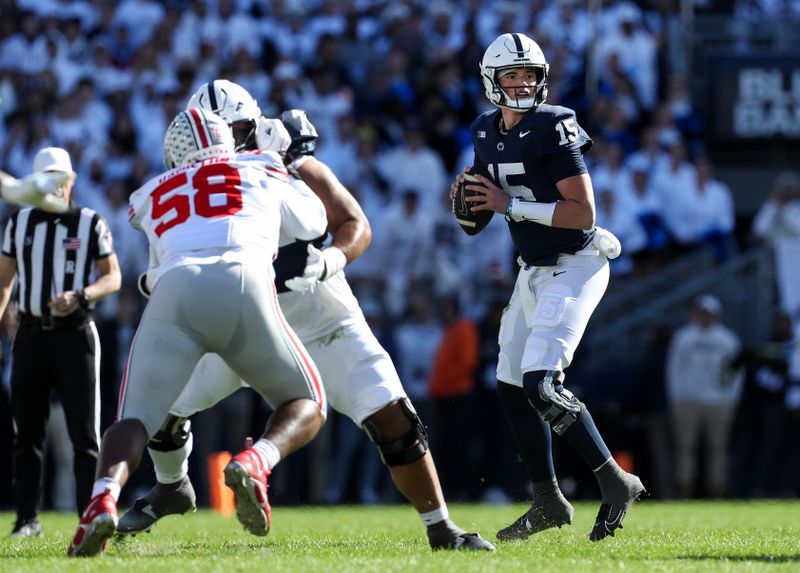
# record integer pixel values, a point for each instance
(472, 222)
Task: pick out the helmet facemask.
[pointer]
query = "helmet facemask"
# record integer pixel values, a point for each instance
(244, 134)
(513, 97)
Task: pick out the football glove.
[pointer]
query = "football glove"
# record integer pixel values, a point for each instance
(41, 190)
(271, 135)
(303, 133)
(607, 243)
(320, 266)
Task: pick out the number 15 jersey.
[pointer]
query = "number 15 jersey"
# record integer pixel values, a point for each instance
(528, 161)
(232, 208)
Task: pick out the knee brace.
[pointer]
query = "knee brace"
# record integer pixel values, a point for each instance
(406, 449)
(172, 435)
(558, 406)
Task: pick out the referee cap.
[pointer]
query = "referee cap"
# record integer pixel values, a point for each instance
(52, 159)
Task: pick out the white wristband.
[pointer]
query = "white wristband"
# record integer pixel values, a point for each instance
(335, 261)
(521, 210)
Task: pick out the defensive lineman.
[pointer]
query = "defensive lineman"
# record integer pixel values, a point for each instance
(360, 379)
(534, 151)
(213, 223)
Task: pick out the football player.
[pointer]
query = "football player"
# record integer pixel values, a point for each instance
(534, 152)
(213, 220)
(360, 379)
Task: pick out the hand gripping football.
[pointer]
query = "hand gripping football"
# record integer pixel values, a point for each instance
(472, 222)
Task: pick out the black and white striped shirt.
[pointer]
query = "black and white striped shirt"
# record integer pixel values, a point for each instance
(55, 253)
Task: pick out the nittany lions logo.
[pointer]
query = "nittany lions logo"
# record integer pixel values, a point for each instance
(501, 146)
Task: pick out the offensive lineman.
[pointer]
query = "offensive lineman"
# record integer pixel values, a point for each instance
(213, 222)
(534, 151)
(360, 379)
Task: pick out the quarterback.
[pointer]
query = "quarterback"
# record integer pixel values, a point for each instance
(360, 379)
(533, 151)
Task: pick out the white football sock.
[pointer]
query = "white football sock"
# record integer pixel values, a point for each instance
(432, 517)
(172, 467)
(106, 484)
(268, 452)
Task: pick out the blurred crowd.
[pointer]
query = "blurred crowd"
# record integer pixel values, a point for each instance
(392, 88)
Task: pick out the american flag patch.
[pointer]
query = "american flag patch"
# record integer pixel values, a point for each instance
(71, 243)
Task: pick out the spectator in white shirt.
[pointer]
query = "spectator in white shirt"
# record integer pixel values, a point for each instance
(672, 183)
(712, 211)
(140, 17)
(15, 51)
(779, 216)
(703, 393)
(405, 239)
(650, 152)
(411, 162)
(778, 223)
(636, 49)
(326, 99)
(622, 221)
(416, 338)
(641, 198)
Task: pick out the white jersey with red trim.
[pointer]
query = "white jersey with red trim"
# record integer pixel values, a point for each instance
(223, 208)
(330, 305)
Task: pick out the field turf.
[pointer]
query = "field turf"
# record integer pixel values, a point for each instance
(658, 537)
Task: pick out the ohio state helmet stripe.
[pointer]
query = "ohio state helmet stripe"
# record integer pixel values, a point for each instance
(200, 128)
(212, 96)
(518, 42)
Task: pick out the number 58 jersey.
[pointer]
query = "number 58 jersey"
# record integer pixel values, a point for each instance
(232, 208)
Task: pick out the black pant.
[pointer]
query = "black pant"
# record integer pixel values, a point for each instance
(60, 359)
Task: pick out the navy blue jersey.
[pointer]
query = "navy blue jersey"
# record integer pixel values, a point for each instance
(527, 162)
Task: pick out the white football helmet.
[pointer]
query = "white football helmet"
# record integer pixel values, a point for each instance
(514, 51)
(232, 103)
(196, 135)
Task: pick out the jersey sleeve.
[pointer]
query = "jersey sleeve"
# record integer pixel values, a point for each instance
(565, 135)
(270, 161)
(302, 213)
(102, 243)
(9, 246)
(137, 207)
(478, 127)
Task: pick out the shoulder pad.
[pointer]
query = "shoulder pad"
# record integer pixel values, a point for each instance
(560, 130)
(138, 203)
(270, 161)
(483, 125)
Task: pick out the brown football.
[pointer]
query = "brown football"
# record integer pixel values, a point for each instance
(472, 222)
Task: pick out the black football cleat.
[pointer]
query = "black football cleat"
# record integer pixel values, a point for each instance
(160, 501)
(610, 517)
(555, 511)
(447, 535)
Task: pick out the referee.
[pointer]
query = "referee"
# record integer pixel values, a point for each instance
(56, 346)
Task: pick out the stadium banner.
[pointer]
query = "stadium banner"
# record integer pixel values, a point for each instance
(754, 97)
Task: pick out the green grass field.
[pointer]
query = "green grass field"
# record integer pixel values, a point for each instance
(763, 536)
